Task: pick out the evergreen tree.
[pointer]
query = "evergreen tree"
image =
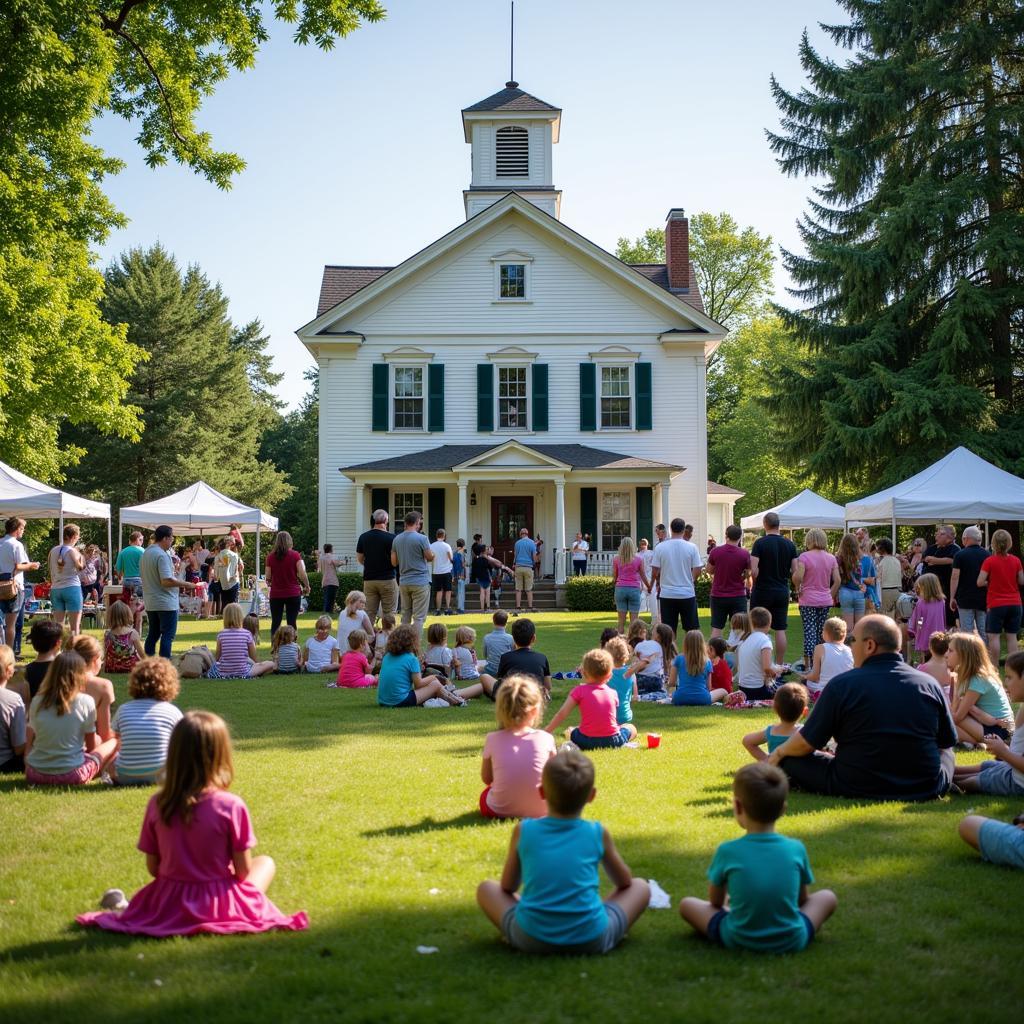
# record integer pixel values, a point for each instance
(204, 391)
(911, 284)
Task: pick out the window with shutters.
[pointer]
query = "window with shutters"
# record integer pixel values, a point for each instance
(406, 502)
(512, 152)
(407, 398)
(615, 519)
(513, 398)
(616, 398)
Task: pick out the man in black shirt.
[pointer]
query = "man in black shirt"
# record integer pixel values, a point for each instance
(373, 552)
(938, 558)
(892, 724)
(522, 660)
(967, 599)
(771, 567)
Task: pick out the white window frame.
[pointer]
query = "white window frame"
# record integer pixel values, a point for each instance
(631, 381)
(399, 518)
(601, 520)
(507, 259)
(393, 397)
(526, 427)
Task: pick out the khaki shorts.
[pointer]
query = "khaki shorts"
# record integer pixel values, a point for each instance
(524, 578)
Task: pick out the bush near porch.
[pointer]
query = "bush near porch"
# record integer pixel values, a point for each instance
(596, 593)
(346, 581)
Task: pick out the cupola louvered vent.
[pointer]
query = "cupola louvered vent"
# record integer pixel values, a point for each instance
(512, 153)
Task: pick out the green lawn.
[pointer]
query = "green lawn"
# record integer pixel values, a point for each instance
(366, 811)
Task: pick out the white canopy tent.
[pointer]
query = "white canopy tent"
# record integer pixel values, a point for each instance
(801, 512)
(198, 509)
(960, 488)
(22, 496)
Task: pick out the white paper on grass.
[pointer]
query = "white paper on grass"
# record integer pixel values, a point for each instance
(435, 702)
(660, 900)
(427, 949)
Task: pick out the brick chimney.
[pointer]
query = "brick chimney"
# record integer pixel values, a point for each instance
(677, 249)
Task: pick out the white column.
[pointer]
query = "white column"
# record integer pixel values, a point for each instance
(360, 508)
(464, 511)
(559, 546)
(666, 516)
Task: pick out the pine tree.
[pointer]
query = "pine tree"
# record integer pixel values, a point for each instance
(911, 284)
(204, 390)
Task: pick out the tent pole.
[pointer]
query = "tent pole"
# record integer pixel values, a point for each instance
(110, 555)
(894, 530)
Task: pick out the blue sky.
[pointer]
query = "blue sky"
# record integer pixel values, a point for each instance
(357, 156)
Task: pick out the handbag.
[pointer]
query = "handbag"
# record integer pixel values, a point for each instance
(8, 588)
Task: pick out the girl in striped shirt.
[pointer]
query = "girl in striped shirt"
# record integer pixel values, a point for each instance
(287, 653)
(144, 724)
(236, 651)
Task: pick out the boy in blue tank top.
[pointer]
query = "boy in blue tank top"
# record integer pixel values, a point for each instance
(555, 861)
(765, 875)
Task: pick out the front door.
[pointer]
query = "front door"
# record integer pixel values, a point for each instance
(508, 517)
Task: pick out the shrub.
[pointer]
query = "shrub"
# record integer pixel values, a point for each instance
(596, 593)
(346, 581)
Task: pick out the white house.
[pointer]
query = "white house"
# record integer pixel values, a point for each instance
(513, 372)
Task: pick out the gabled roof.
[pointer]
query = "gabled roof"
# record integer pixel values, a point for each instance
(657, 273)
(510, 98)
(717, 488)
(340, 282)
(447, 456)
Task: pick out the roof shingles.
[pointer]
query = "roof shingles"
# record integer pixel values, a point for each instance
(510, 98)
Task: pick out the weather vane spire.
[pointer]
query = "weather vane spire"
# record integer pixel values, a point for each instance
(512, 83)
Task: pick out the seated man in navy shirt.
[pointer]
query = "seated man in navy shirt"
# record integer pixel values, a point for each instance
(892, 725)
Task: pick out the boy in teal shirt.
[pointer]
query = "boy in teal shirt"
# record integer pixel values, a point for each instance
(765, 875)
(555, 861)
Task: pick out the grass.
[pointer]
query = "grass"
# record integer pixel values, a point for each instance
(366, 811)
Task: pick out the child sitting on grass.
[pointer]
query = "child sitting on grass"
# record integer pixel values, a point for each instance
(353, 616)
(598, 704)
(515, 755)
(721, 672)
(1005, 775)
(755, 672)
(935, 666)
(652, 659)
(321, 649)
(400, 684)
(380, 641)
(831, 657)
(438, 659)
(763, 874)
(46, 637)
(464, 661)
(144, 724)
(101, 690)
(996, 841)
(623, 685)
(689, 678)
(524, 661)
(286, 652)
(236, 652)
(790, 704)
(122, 645)
(251, 624)
(497, 642)
(354, 672)
(554, 859)
(12, 718)
(739, 630)
(979, 703)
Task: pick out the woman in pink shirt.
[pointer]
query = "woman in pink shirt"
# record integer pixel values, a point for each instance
(287, 579)
(816, 575)
(628, 577)
(515, 755)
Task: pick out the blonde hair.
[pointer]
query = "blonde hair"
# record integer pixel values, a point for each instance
(517, 696)
(929, 588)
(198, 758)
(619, 650)
(323, 624)
(835, 628)
(64, 679)
(695, 651)
(637, 631)
(740, 623)
(6, 661)
(465, 635)
(627, 551)
(350, 600)
(972, 661)
(1001, 542)
(357, 639)
(233, 617)
(119, 615)
(87, 647)
(815, 540)
(284, 635)
(155, 678)
(597, 666)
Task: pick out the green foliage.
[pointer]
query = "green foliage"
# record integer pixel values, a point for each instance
(648, 248)
(911, 289)
(63, 64)
(203, 391)
(346, 581)
(589, 594)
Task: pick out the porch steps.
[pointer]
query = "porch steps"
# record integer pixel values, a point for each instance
(545, 597)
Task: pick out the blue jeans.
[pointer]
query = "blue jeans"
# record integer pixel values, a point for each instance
(460, 594)
(971, 617)
(162, 627)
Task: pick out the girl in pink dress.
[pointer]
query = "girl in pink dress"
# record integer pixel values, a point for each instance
(196, 837)
(355, 666)
(929, 614)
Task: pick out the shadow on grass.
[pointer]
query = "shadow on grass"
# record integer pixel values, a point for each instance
(468, 820)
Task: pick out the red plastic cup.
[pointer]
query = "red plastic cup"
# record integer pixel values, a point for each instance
(653, 740)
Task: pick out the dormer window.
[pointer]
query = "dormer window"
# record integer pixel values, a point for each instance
(512, 152)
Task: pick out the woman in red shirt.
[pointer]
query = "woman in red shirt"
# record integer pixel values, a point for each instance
(1003, 575)
(287, 579)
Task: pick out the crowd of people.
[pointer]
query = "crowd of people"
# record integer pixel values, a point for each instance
(878, 727)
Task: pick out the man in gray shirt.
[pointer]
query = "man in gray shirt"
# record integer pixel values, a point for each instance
(410, 553)
(160, 591)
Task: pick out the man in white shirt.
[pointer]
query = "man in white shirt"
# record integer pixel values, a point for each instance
(14, 562)
(442, 573)
(675, 564)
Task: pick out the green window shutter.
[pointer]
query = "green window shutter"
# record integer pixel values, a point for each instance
(644, 514)
(380, 396)
(435, 398)
(644, 416)
(588, 514)
(540, 396)
(379, 497)
(435, 512)
(484, 397)
(588, 397)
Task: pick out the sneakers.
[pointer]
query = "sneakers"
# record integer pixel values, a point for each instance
(451, 694)
(114, 899)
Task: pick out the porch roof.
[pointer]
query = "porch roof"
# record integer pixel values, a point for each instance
(448, 456)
